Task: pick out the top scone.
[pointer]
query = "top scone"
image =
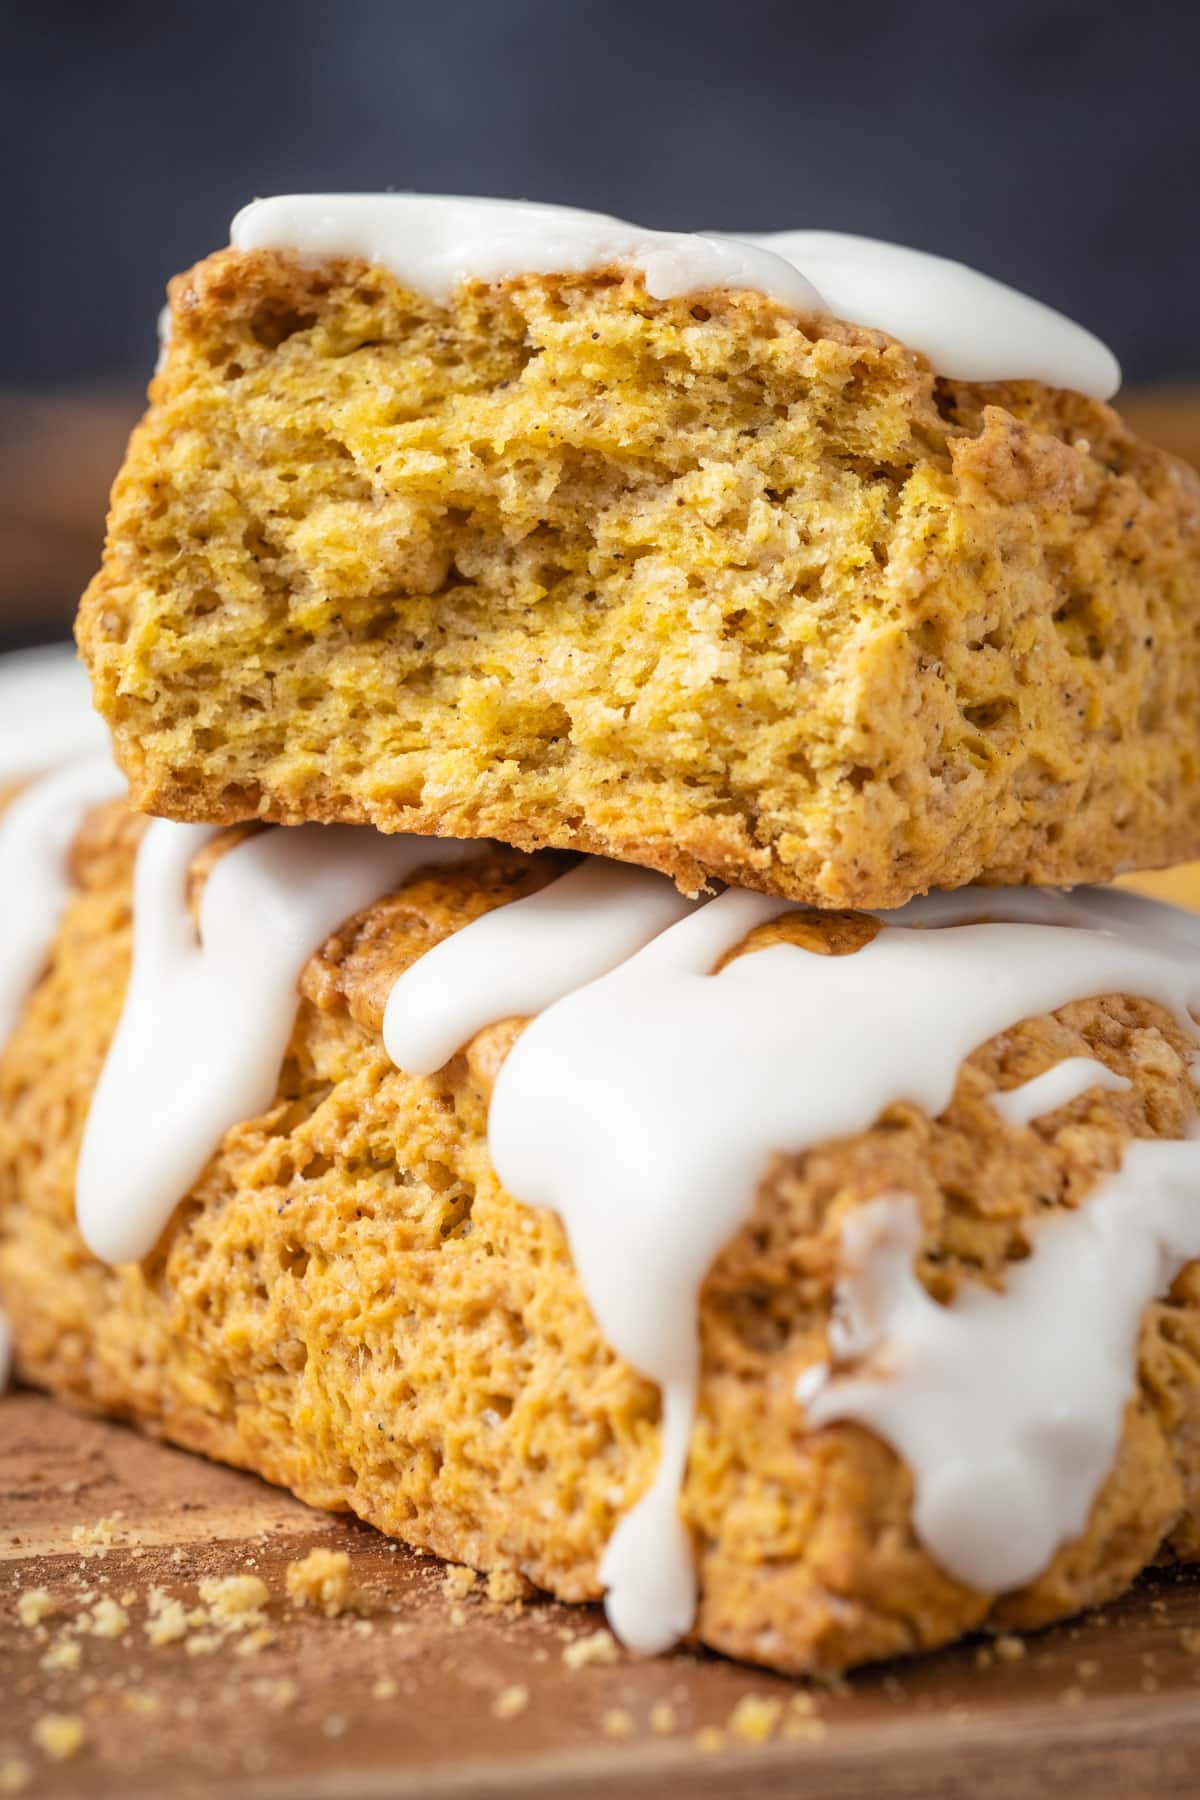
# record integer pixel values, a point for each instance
(644, 557)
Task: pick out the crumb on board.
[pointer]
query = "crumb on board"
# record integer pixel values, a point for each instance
(98, 1539)
(167, 1621)
(617, 1723)
(598, 1647)
(709, 1740)
(108, 1619)
(510, 1701)
(1009, 1647)
(15, 1775)
(62, 1658)
(662, 1718)
(35, 1604)
(1189, 1640)
(234, 1596)
(59, 1735)
(322, 1580)
(507, 1587)
(457, 1581)
(137, 1700)
(755, 1717)
(385, 1689)
(275, 1692)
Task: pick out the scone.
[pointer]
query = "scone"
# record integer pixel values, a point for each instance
(348, 1300)
(509, 522)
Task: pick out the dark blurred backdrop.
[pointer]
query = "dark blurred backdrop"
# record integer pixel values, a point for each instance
(1056, 145)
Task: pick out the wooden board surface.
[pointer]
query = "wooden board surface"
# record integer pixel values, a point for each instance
(400, 1699)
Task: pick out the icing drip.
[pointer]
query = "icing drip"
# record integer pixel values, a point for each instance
(518, 959)
(46, 715)
(36, 833)
(644, 1109)
(208, 1015)
(968, 325)
(1058, 1086)
(1008, 1407)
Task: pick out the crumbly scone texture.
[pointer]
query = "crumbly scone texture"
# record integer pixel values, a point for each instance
(692, 583)
(349, 1303)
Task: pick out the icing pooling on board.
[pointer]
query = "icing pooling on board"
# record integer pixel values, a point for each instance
(1056, 1087)
(644, 1109)
(519, 958)
(37, 830)
(969, 326)
(208, 1013)
(1008, 1407)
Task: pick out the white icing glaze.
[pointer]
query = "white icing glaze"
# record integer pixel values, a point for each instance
(46, 714)
(208, 1015)
(1008, 1407)
(36, 833)
(968, 325)
(1056, 1087)
(516, 960)
(645, 1107)
(433, 242)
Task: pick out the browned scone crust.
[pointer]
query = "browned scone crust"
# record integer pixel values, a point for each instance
(692, 583)
(348, 1303)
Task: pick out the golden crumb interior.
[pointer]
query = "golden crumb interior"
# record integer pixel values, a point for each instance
(349, 1303)
(694, 583)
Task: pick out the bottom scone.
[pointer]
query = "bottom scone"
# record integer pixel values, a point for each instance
(948, 1367)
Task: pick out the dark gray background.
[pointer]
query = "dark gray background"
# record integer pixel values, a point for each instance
(1056, 145)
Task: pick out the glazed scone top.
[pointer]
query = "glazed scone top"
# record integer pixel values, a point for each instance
(971, 327)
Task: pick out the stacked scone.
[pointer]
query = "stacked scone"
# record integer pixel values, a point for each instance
(521, 1086)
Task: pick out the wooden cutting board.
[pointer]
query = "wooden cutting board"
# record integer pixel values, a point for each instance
(421, 1692)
